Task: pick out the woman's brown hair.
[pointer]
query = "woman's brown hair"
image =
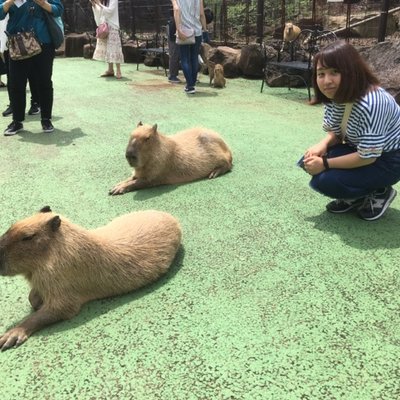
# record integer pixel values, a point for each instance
(356, 76)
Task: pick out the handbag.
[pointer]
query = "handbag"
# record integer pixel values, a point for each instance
(55, 26)
(102, 31)
(23, 45)
(189, 33)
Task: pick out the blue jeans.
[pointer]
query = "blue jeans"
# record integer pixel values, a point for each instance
(357, 182)
(190, 61)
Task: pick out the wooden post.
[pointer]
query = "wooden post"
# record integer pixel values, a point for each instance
(383, 20)
(260, 21)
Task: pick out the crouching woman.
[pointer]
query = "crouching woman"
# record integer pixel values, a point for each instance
(358, 160)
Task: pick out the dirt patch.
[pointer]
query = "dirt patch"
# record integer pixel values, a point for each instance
(151, 84)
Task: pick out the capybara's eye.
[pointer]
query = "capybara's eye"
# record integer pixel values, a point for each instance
(28, 237)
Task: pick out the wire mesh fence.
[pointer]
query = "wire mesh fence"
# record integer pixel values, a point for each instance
(234, 21)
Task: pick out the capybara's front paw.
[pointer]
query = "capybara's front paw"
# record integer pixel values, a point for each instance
(13, 338)
(120, 188)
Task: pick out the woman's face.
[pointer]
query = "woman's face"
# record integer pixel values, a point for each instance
(328, 80)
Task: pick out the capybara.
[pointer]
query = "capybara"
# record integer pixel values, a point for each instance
(157, 159)
(218, 76)
(290, 33)
(67, 265)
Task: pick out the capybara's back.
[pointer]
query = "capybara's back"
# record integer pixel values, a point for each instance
(158, 159)
(149, 241)
(198, 153)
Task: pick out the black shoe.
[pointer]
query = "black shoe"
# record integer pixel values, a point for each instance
(13, 128)
(47, 126)
(340, 206)
(7, 112)
(376, 204)
(34, 110)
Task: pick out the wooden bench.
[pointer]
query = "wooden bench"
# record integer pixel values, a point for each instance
(296, 65)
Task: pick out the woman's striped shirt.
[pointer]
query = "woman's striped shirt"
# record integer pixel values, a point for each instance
(373, 126)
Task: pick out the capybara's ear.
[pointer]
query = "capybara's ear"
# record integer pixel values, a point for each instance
(55, 223)
(140, 123)
(45, 209)
(154, 128)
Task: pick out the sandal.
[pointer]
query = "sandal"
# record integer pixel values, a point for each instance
(118, 76)
(106, 74)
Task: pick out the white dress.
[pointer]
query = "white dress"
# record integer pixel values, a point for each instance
(109, 49)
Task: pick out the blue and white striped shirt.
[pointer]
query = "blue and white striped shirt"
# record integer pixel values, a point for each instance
(373, 126)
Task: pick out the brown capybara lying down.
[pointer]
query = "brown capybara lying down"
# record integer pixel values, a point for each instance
(67, 265)
(189, 155)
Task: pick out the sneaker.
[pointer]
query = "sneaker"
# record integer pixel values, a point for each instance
(7, 112)
(174, 79)
(34, 110)
(47, 126)
(340, 206)
(190, 90)
(376, 204)
(13, 128)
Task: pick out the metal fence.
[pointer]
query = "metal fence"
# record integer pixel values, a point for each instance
(235, 21)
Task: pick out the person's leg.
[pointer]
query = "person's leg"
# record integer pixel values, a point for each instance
(194, 59)
(184, 51)
(118, 68)
(8, 110)
(359, 182)
(33, 87)
(18, 76)
(43, 64)
(173, 59)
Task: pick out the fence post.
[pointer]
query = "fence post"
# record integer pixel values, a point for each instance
(260, 21)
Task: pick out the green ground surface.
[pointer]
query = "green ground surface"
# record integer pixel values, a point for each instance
(270, 297)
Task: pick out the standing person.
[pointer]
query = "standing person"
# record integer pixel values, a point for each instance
(3, 48)
(108, 49)
(190, 14)
(173, 50)
(360, 170)
(28, 15)
(5, 58)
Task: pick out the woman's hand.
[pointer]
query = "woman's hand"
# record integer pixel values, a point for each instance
(44, 4)
(180, 34)
(313, 164)
(318, 149)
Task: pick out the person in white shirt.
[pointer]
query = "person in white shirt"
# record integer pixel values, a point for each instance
(109, 49)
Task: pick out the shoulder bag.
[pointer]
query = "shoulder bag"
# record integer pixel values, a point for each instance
(23, 45)
(189, 33)
(55, 26)
(345, 119)
(102, 31)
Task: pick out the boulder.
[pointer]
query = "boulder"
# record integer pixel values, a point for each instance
(384, 58)
(88, 50)
(74, 43)
(251, 61)
(132, 54)
(228, 57)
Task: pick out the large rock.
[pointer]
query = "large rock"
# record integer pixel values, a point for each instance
(228, 57)
(74, 43)
(251, 61)
(384, 59)
(132, 53)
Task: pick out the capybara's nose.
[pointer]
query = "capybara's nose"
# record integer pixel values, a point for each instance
(131, 158)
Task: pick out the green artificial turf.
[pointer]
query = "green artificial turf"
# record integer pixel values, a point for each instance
(270, 296)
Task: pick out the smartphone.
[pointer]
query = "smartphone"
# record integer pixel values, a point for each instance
(300, 163)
